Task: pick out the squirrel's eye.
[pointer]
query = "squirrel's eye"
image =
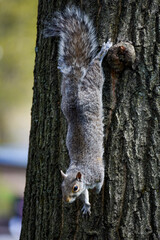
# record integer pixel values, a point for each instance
(75, 188)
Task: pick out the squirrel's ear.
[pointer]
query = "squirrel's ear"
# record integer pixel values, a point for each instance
(79, 176)
(63, 174)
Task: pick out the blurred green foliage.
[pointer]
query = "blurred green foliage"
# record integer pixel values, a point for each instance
(17, 53)
(6, 199)
(17, 44)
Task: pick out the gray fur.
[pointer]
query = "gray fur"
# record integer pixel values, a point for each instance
(82, 82)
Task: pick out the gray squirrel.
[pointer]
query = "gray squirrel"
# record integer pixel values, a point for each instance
(81, 88)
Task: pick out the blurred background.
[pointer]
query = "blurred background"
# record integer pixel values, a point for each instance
(17, 52)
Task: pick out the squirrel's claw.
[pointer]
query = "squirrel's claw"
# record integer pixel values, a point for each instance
(107, 45)
(104, 49)
(86, 210)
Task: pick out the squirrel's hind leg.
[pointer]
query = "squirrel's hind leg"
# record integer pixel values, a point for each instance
(104, 50)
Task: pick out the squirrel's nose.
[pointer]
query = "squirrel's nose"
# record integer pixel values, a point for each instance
(67, 199)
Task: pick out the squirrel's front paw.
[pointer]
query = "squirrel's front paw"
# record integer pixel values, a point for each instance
(86, 209)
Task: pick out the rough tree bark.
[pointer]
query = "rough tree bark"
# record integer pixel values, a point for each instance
(129, 204)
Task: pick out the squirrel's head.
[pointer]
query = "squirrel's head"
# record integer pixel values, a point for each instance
(72, 186)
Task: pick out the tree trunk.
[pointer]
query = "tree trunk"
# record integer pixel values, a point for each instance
(128, 206)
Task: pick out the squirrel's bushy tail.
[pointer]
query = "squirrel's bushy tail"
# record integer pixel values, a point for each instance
(78, 44)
